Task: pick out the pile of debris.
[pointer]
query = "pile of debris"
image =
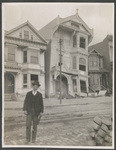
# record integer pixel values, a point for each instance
(100, 132)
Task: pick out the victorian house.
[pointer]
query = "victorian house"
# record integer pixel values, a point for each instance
(23, 59)
(68, 39)
(100, 64)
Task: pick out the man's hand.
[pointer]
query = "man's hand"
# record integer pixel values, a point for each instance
(25, 112)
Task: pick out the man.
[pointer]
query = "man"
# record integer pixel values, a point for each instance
(33, 108)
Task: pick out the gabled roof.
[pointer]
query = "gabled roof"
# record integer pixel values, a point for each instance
(95, 51)
(101, 45)
(27, 23)
(46, 31)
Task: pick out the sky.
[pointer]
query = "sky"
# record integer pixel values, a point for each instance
(98, 16)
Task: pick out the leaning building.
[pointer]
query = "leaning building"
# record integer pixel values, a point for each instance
(70, 36)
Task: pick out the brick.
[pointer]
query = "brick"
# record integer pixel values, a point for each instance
(108, 139)
(104, 127)
(99, 140)
(97, 120)
(95, 126)
(101, 133)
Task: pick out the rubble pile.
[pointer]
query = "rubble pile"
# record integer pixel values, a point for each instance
(100, 132)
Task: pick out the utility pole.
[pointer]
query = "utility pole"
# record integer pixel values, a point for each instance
(60, 42)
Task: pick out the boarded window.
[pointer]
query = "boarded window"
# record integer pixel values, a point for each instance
(83, 86)
(25, 80)
(11, 53)
(26, 35)
(74, 40)
(74, 85)
(82, 64)
(82, 42)
(74, 62)
(25, 56)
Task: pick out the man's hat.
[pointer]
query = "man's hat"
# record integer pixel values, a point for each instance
(36, 83)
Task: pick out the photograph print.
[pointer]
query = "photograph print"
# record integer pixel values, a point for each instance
(57, 75)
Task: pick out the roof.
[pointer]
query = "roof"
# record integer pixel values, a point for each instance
(100, 70)
(99, 46)
(47, 30)
(32, 28)
(90, 52)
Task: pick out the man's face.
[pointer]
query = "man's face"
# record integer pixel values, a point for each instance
(35, 87)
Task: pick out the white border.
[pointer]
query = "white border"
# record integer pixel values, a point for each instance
(29, 146)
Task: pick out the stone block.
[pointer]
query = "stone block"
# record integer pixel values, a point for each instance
(101, 133)
(107, 121)
(92, 134)
(91, 143)
(106, 144)
(95, 126)
(90, 128)
(98, 139)
(109, 133)
(97, 120)
(104, 127)
(108, 139)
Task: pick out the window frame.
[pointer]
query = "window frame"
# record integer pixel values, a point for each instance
(82, 44)
(24, 57)
(26, 36)
(24, 83)
(81, 86)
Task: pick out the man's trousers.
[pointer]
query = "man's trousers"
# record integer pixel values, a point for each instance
(31, 120)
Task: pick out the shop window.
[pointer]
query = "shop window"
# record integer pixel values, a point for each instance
(34, 78)
(11, 53)
(82, 42)
(25, 80)
(26, 35)
(25, 56)
(75, 40)
(83, 86)
(74, 62)
(82, 64)
(74, 85)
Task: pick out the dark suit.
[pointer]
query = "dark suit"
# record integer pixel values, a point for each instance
(33, 104)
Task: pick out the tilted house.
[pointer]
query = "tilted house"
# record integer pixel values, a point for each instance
(24, 51)
(72, 36)
(101, 64)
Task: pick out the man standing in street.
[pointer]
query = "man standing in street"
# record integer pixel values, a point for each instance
(33, 108)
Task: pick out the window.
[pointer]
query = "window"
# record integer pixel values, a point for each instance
(82, 64)
(25, 56)
(74, 85)
(34, 78)
(34, 57)
(93, 61)
(20, 35)
(82, 42)
(75, 40)
(74, 62)
(11, 53)
(25, 80)
(83, 86)
(32, 37)
(26, 35)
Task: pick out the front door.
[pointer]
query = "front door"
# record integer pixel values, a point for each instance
(9, 83)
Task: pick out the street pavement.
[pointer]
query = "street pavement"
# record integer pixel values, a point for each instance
(64, 124)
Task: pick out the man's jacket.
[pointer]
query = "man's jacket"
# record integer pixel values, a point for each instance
(37, 102)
